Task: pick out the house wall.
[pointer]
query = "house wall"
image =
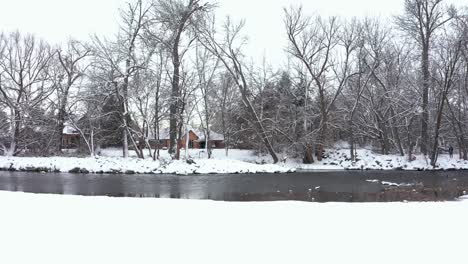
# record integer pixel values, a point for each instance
(192, 138)
(166, 143)
(218, 144)
(215, 144)
(70, 141)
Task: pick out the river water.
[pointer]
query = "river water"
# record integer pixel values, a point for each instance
(323, 186)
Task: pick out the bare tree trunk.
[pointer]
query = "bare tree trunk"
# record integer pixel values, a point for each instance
(323, 125)
(425, 101)
(411, 144)
(308, 154)
(396, 134)
(136, 146)
(207, 133)
(223, 119)
(175, 98)
(60, 126)
(187, 140)
(91, 149)
(435, 145)
(179, 140)
(13, 151)
(225, 133)
(351, 140)
(156, 132)
(192, 7)
(124, 143)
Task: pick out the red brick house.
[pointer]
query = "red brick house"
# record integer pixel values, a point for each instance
(216, 140)
(196, 140)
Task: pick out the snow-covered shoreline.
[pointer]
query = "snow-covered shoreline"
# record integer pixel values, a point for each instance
(116, 165)
(57, 229)
(238, 162)
(339, 159)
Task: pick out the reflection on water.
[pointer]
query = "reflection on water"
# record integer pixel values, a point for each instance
(308, 186)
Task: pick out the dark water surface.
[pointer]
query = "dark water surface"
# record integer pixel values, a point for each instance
(346, 186)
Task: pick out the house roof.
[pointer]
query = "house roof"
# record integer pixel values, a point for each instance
(69, 130)
(164, 135)
(213, 136)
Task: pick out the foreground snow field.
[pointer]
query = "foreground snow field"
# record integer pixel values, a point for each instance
(72, 229)
(238, 161)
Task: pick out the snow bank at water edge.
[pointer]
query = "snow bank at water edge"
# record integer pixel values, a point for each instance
(238, 161)
(75, 230)
(134, 165)
(367, 160)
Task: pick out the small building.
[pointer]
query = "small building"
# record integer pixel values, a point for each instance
(196, 140)
(70, 138)
(216, 140)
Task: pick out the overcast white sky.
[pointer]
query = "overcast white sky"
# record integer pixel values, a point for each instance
(56, 20)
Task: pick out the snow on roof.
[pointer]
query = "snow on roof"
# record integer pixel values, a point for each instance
(164, 135)
(69, 130)
(213, 135)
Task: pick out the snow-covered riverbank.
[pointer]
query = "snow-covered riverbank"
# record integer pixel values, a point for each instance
(238, 161)
(53, 229)
(367, 160)
(134, 165)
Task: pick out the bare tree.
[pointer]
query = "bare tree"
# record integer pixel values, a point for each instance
(121, 60)
(448, 57)
(229, 53)
(72, 66)
(159, 104)
(315, 42)
(206, 65)
(226, 96)
(421, 20)
(24, 85)
(172, 21)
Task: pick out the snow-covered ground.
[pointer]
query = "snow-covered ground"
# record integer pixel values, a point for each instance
(110, 161)
(339, 159)
(238, 161)
(134, 165)
(75, 230)
(234, 154)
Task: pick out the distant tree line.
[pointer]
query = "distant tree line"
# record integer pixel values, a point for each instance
(400, 86)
